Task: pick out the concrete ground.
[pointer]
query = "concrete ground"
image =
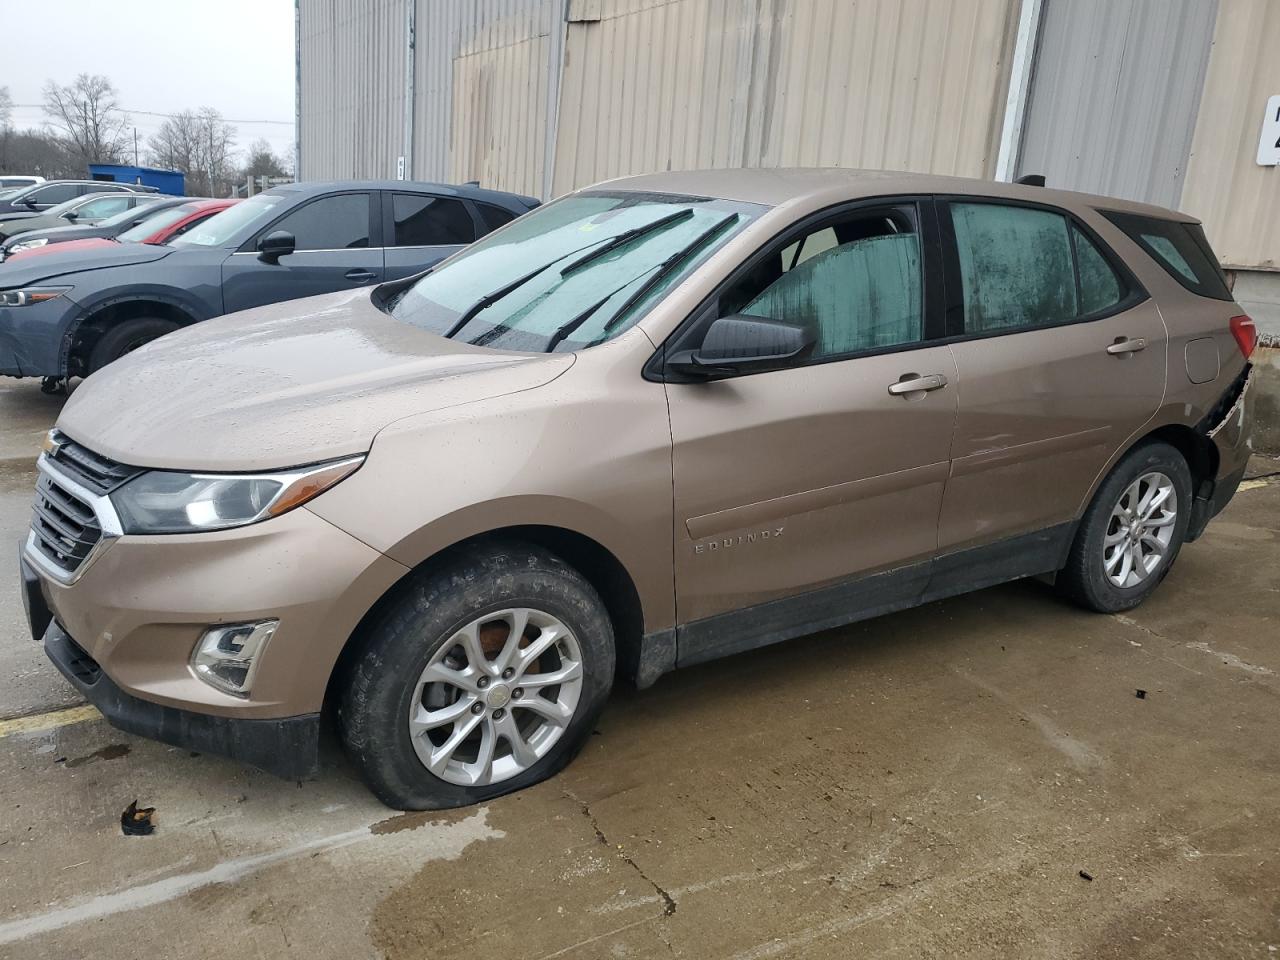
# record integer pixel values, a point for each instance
(977, 778)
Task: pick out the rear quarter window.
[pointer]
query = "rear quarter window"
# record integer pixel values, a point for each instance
(1181, 249)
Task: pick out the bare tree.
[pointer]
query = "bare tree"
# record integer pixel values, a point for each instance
(86, 116)
(199, 143)
(262, 161)
(6, 109)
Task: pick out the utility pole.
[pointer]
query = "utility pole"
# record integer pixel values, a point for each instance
(135, 146)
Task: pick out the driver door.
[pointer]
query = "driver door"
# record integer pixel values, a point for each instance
(337, 246)
(809, 495)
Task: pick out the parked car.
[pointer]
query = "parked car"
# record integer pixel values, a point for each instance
(15, 181)
(147, 206)
(653, 423)
(89, 209)
(42, 196)
(291, 241)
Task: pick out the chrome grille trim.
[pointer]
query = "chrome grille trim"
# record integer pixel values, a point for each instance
(70, 525)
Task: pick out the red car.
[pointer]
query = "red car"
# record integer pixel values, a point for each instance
(161, 227)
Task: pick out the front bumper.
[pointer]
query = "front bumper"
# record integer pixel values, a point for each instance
(31, 338)
(287, 747)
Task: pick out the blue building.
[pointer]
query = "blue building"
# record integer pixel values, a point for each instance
(166, 181)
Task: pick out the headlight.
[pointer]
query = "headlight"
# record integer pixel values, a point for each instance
(28, 244)
(163, 502)
(29, 295)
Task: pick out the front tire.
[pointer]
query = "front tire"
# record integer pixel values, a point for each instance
(125, 337)
(1132, 531)
(482, 677)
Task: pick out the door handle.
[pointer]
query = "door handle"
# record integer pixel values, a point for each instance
(360, 275)
(1124, 345)
(913, 383)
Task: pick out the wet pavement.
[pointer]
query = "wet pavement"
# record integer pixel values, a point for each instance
(977, 778)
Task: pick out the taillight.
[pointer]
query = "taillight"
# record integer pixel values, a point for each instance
(1246, 334)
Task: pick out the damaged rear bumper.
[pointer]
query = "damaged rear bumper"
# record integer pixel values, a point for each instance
(1228, 426)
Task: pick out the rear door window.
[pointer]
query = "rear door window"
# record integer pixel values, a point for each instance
(1025, 267)
(1181, 249)
(57, 193)
(423, 221)
(339, 222)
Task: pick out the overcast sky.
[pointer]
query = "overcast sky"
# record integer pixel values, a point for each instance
(163, 56)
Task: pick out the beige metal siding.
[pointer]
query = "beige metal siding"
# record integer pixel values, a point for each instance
(679, 84)
(353, 59)
(488, 56)
(1238, 200)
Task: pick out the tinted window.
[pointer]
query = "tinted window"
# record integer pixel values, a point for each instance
(1180, 248)
(339, 222)
(1100, 288)
(57, 193)
(857, 283)
(494, 217)
(429, 221)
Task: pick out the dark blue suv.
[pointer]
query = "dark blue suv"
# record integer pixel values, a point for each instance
(66, 315)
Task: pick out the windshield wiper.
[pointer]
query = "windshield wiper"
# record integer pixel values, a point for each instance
(662, 268)
(665, 267)
(626, 237)
(489, 299)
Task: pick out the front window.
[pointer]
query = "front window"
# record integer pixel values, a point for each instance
(571, 274)
(102, 207)
(233, 224)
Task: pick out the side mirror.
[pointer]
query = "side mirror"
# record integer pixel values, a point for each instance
(30, 202)
(277, 244)
(71, 215)
(740, 344)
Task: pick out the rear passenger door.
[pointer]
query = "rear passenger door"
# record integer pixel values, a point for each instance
(1062, 358)
(336, 247)
(422, 230)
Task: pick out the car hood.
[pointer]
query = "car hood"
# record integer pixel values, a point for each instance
(293, 383)
(70, 230)
(18, 273)
(61, 247)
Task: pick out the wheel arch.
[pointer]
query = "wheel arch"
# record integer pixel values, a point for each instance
(595, 562)
(100, 317)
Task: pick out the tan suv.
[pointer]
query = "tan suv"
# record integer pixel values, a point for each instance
(661, 420)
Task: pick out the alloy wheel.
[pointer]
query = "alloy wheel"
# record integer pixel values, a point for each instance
(1140, 530)
(496, 697)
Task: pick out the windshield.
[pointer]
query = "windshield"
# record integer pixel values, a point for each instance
(231, 224)
(571, 274)
(124, 216)
(157, 221)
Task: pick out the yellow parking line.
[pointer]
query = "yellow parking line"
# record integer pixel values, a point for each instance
(48, 721)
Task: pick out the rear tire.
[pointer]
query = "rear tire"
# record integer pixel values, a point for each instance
(125, 337)
(435, 678)
(1130, 535)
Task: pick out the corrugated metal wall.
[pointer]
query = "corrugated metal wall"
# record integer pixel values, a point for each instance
(1114, 95)
(1238, 200)
(678, 84)
(353, 60)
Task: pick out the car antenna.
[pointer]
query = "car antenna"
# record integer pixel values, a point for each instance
(1031, 180)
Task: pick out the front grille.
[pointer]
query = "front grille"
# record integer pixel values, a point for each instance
(64, 526)
(91, 470)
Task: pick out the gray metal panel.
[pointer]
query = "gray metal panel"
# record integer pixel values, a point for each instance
(1115, 94)
(352, 102)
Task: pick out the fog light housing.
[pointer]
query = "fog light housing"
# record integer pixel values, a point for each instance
(227, 655)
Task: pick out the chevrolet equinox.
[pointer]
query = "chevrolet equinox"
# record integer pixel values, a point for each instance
(661, 420)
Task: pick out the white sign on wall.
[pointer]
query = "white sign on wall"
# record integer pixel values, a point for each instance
(400, 168)
(1269, 145)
